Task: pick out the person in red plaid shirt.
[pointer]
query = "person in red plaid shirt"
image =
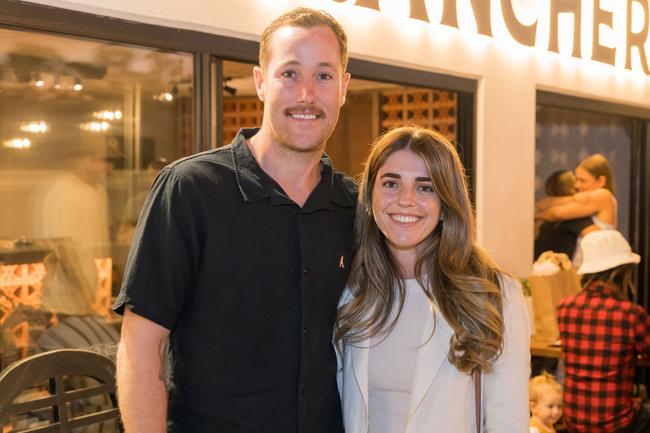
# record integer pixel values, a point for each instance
(602, 334)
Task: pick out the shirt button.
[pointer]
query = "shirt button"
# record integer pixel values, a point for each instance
(305, 270)
(303, 391)
(304, 330)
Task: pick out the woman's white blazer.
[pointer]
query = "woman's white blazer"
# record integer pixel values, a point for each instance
(442, 398)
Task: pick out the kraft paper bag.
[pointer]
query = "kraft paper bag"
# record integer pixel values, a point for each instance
(549, 285)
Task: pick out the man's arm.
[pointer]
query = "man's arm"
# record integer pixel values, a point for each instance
(141, 375)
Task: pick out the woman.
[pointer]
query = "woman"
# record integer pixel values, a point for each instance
(425, 307)
(561, 236)
(603, 333)
(595, 196)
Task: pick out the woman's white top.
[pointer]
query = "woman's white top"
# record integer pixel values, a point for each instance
(577, 255)
(391, 363)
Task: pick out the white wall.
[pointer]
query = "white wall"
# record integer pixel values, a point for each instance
(508, 75)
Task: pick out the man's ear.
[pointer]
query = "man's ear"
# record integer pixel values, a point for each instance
(344, 88)
(258, 76)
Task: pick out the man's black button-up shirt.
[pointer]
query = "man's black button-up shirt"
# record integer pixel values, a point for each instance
(248, 283)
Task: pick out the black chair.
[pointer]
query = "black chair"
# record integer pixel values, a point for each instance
(71, 377)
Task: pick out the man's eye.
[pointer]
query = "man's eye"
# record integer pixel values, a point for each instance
(389, 184)
(325, 76)
(289, 74)
(426, 188)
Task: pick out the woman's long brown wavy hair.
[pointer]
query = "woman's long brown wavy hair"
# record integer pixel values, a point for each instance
(457, 277)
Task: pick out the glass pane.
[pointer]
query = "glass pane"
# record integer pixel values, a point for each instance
(84, 128)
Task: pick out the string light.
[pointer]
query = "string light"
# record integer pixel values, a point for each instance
(18, 143)
(34, 127)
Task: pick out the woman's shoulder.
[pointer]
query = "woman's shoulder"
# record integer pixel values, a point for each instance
(511, 289)
(346, 296)
(601, 194)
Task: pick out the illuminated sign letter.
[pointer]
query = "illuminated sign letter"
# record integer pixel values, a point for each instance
(637, 39)
(558, 7)
(419, 10)
(481, 9)
(372, 4)
(520, 32)
(601, 53)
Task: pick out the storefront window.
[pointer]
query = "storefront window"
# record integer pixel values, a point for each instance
(84, 128)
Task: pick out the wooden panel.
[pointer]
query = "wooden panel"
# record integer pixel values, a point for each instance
(435, 109)
(240, 112)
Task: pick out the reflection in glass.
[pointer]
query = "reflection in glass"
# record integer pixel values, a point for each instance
(84, 128)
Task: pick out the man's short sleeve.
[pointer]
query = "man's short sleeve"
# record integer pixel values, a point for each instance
(164, 252)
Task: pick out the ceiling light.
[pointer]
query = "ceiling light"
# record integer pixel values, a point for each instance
(95, 126)
(34, 127)
(18, 143)
(108, 115)
(38, 80)
(164, 97)
(77, 86)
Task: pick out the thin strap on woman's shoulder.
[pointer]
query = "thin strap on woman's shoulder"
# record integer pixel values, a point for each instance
(477, 398)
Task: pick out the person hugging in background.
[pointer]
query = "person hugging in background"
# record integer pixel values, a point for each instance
(595, 197)
(545, 399)
(561, 236)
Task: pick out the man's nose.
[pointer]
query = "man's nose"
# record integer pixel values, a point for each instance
(307, 91)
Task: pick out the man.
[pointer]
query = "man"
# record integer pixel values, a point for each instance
(73, 214)
(239, 259)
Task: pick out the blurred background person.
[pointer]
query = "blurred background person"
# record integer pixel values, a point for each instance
(594, 182)
(561, 236)
(74, 203)
(72, 215)
(545, 400)
(603, 333)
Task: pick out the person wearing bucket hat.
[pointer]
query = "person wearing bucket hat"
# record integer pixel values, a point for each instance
(603, 334)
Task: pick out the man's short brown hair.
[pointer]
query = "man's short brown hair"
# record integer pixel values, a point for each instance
(305, 18)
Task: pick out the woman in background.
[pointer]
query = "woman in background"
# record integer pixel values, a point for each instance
(595, 196)
(426, 308)
(561, 236)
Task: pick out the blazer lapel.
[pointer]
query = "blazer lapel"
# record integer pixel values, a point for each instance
(359, 355)
(429, 359)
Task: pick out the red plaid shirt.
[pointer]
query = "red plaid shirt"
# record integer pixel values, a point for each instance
(601, 338)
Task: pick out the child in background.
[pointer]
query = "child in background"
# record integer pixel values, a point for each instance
(545, 399)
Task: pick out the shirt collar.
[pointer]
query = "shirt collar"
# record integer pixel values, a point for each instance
(600, 288)
(255, 184)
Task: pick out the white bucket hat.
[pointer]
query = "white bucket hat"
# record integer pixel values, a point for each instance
(605, 249)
